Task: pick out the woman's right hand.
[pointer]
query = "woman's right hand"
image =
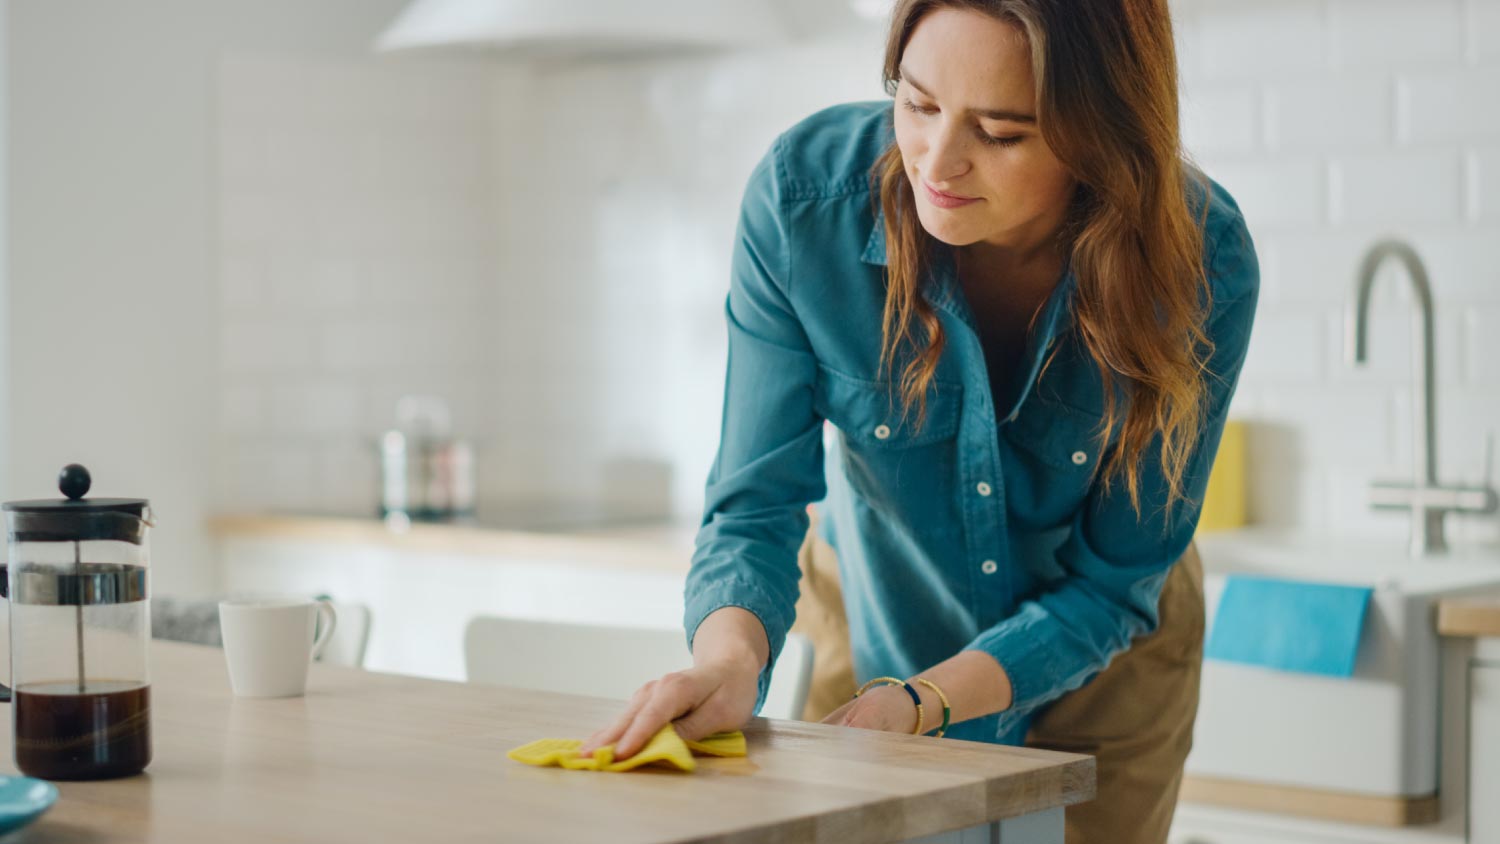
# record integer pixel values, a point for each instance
(702, 700)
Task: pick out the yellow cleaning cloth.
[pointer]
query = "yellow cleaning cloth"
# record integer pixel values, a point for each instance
(666, 747)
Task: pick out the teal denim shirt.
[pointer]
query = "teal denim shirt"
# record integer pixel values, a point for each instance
(986, 529)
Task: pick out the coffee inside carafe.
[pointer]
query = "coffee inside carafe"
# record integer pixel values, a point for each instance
(64, 734)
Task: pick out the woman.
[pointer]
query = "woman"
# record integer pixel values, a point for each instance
(1026, 315)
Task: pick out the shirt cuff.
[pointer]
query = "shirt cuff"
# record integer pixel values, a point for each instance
(1026, 646)
(748, 595)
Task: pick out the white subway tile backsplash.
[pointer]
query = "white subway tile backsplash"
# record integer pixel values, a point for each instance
(1484, 31)
(1285, 347)
(1484, 185)
(1282, 493)
(293, 480)
(1481, 334)
(315, 408)
(1381, 33)
(348, 478)
(1463, 264)
(265, 346)
(1405, 188)
(1465, 418)
(1278, 39)
(1389, 348)
(1451, 106)
(1283, 193)
(1347, 112)
(249, 216)
(1349, 511)
(1328, 428)
(312, 282)
(346, 347)
(357, 220)
(1220, 119)
(242, 409)
(242, 280)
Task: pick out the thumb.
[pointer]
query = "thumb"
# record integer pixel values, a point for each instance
(694, 726)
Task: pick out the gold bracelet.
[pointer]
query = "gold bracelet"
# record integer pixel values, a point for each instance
(893, 681)
(947, 710)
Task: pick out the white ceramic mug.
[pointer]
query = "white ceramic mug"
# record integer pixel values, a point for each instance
(269, 643)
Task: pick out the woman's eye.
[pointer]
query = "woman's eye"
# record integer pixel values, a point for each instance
(911, 106)
(1006, 141)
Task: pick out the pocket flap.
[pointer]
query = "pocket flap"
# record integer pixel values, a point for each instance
(870, 412)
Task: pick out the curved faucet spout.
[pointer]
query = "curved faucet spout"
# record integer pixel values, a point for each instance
(1427, 533)
(1356, 318)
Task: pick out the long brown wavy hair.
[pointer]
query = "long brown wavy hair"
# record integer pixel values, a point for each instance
(1106, 92)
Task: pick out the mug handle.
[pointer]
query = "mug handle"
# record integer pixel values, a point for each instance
(331, 619)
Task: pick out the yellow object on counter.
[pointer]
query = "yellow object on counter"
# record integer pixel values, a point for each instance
(1224, 502)
(666, 747)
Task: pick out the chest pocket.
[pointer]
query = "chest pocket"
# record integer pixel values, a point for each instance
(893, 466)
(870, 415)
(1055, 452)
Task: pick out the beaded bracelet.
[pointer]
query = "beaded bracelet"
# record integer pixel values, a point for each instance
(892, 681)
(947, 710)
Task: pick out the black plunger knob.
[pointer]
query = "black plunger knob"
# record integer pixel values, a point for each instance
(74, 481)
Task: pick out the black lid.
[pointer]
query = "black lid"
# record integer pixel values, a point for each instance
(72, 518)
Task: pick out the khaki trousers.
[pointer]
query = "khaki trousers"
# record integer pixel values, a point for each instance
(1135, 717)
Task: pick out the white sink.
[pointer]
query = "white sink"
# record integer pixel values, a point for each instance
(1373, 733)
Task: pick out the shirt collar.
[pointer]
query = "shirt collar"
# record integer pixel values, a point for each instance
(943, 291)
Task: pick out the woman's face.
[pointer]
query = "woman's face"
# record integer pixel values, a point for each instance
(966, 125)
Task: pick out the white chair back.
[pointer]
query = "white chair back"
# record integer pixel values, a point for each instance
(610, 662)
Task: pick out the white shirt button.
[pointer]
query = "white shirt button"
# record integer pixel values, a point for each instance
(988, 567)
(1080, 458)
(882, 432)
(984, 488)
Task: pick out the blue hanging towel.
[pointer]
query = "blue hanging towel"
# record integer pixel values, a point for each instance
(1290, 625)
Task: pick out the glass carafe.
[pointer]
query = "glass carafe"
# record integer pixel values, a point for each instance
(80, 626)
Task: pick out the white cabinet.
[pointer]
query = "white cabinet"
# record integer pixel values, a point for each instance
(421, 600)
(1484, 753)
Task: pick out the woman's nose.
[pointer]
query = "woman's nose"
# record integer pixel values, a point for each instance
(946, 157)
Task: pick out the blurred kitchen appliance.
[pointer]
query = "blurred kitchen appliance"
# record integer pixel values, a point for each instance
(426, 474)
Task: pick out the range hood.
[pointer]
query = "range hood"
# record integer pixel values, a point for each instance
(582, 26)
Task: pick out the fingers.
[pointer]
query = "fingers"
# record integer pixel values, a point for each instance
(838, 716)
(704, 720)
(673, 696)
(616, 728)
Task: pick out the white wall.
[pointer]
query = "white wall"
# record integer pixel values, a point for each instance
(5, 328)
(114, 340)
(356, 263)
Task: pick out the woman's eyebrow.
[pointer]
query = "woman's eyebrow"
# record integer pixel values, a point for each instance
(991, 113)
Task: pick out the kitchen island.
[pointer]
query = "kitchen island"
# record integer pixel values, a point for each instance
(380, 757)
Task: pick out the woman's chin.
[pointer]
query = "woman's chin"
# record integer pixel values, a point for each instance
(946, 232)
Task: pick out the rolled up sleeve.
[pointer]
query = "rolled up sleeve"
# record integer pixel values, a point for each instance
(769, 464)
(1115, 561)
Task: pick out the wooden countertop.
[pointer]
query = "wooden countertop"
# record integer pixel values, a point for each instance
(382, 757)
(659, 545)
(1475, 615)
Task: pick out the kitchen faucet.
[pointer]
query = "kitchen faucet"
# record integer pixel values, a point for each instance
(1424, 496)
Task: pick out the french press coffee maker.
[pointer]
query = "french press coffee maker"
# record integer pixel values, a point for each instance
(80, 624)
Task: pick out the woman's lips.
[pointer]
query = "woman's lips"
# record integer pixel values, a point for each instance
(945, 200)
